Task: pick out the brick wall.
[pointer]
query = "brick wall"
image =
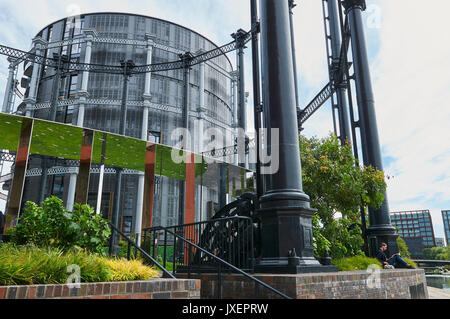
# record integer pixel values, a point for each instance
(152, 289)
(394, 284)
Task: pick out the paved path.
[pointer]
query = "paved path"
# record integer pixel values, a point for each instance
(435, 293)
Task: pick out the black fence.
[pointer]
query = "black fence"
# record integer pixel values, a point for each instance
(230, 239)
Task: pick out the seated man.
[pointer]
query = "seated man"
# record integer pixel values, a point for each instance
(395, 260)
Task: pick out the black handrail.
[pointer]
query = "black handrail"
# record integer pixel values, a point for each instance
(221, 261)
(246, 261)
(130, 242)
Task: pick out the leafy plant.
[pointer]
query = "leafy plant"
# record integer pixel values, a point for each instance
(338, 187)
(403, 249)
(94, 230)
(53, 226)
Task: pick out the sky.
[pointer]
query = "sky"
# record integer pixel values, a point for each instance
(409, 52)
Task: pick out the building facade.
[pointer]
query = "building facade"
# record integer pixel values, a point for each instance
(416, 229)
(440, 242)
(155, 103)
(446, 220)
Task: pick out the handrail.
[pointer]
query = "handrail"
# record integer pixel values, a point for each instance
(164, 270)
(221, 261)
(150, 229)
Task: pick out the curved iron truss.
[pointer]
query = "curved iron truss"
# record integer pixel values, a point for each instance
(23, 56)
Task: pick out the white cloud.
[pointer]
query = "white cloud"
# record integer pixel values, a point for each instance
(412, 100)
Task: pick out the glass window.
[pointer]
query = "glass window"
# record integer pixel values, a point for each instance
(127, 224)
(73, 86)
(154, 137)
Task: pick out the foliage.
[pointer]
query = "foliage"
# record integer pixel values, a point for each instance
(31, 265)
(28, 265)
(436, 253)
(335, 185)
(93, 229)
(355, 263)
(124, 270)
(409, 261)
(403, 249)
(53, 226)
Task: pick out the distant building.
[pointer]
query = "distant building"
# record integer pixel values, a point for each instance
(416, 229)
(446, 220)
(440, 242)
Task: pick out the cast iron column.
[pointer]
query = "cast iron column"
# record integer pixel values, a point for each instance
(9, 92)
(257, 94)
(336, 75)
(127, 67)
(292, 5)
(239, 36)
(381, 229)
(285, 213)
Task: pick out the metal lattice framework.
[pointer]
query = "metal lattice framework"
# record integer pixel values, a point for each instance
(23, 56)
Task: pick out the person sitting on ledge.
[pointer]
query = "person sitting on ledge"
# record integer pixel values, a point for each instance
(395, 261)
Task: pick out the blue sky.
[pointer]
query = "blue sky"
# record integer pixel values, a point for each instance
(409, 58)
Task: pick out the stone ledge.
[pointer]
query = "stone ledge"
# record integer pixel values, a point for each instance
(390, 284)
(151, 289)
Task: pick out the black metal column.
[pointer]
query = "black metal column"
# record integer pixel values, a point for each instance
(239, 36)
(186, 58)
(337, 75)
(285, 213)
(127, 67)
(257, 93)
(292, 5)
(381, 229)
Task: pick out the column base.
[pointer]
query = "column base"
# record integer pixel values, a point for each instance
(292, 266)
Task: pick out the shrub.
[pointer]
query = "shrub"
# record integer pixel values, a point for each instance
(53, 226)
(31, 265)
(124, 270)
(409, 261)
(28, 265)
(355, 263)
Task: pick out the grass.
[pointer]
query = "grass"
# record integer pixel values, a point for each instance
(361, 263)
(355, 263)
(28, 265)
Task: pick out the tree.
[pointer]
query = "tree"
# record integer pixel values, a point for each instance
(338, 187)
(403, 248)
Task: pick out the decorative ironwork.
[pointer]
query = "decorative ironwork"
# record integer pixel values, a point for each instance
(316, 103)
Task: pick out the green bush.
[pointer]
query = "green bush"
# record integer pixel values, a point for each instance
(409, 261)
(53, 226)
(355, 263)
(402, 247)
(30, 265)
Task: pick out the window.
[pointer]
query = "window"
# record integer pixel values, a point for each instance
(154, 137)
(73, 85)
(127, 224)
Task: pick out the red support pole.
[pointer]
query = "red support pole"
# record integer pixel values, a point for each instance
(149, 186)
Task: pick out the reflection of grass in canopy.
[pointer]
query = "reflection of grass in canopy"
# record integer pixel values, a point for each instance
(56, 140)
(165, 165)
(10, 127)
(125, 152)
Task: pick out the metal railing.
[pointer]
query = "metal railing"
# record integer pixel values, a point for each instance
(230, 239)
(220, 264)
(131, 244)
